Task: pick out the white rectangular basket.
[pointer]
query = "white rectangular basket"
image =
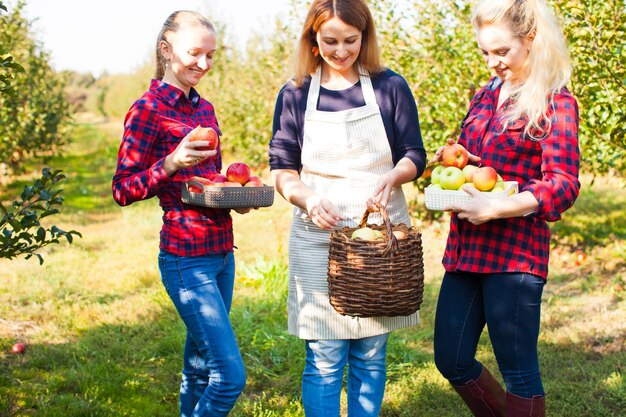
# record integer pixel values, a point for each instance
(438, 199)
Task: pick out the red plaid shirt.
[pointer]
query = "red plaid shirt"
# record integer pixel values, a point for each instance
(154, 126)
(548, 168)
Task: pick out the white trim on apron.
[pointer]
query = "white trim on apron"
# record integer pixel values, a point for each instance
(344, 153)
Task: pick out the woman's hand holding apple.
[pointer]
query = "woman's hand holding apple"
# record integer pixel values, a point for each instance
(187, 154)
(439, 155)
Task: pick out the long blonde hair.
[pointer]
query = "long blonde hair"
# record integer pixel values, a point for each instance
(548, 66)
(176, 21)
(354, 13)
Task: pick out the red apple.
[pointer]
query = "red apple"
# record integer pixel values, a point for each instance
(451, 178)
(194, 189)
(202, 180)
(238, 172)
(254, 181)
(232, 184)
(485, 178)
(454, 155)
(18, 348)
(218, 178)
(205, 134)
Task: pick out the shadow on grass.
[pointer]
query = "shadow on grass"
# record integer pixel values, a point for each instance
(109, 370)
(134, 370)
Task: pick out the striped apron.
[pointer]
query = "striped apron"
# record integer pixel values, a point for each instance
(344, 153)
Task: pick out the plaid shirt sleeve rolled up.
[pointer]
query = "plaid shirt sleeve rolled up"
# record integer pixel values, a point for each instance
(153, 128)
(548, 168)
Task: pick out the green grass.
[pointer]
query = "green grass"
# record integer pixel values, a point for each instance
(103, 339)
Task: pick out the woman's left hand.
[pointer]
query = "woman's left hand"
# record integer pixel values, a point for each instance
(381, 194)
(478, 210)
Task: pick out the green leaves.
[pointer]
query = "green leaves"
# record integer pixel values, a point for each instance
(21, 230)
(34, 111)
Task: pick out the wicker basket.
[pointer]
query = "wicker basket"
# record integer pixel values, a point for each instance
(228, 197)
(376, 278)
(438, 199)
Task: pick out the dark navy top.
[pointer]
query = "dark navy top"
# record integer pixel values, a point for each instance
(397, 106)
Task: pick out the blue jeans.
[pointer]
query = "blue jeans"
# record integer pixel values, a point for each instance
(201, 288)
(510, 305)
(323, 376)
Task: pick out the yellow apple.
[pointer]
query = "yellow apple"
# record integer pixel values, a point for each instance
(367, 233)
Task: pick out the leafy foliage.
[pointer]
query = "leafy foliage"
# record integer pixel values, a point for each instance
(432, 44)
(43, 116)
(34, 116)
(596, 31)
(21, 231)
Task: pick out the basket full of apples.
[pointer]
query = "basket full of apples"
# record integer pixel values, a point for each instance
(237, 189)
(448, 178)
(375, 270)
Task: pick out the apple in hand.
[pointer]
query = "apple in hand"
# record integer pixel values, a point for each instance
(454, 155)
(485, 178)
(205, 134)
(451, 178)
(435, 176)
(254, 181)
(238, 172)
(469, 171)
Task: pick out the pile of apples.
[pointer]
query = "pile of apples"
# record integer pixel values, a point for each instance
(454, 172)
(369, 234)
(238, 174)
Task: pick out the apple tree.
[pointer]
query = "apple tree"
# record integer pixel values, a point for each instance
(21, 228)
(596, 31)
(34, 119)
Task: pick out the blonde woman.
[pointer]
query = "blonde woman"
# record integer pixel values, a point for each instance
(523, 123)
(345, 131)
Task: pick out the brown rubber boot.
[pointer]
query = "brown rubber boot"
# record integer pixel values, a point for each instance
(517, 406)
(484, 396)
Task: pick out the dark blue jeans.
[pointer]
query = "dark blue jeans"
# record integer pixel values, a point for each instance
(510, 305)
(201, 288)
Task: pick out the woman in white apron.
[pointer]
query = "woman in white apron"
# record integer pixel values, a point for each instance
(345, 135)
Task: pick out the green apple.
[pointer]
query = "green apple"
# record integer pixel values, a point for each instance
(469, 184)
(435, 175)
(469, 171)
(499, 187)
(367, 233)
(502, 186)
(451, 178)
(435, 187)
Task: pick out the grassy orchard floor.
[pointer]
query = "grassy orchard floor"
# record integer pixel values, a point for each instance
(103, 339)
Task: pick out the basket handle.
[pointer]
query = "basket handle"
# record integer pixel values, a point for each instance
(194, 182)
(392, 242)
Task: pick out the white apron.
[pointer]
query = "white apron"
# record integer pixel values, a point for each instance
(344, 154)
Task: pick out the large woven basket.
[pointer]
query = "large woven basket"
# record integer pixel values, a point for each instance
(228, 197)
(376, 278)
